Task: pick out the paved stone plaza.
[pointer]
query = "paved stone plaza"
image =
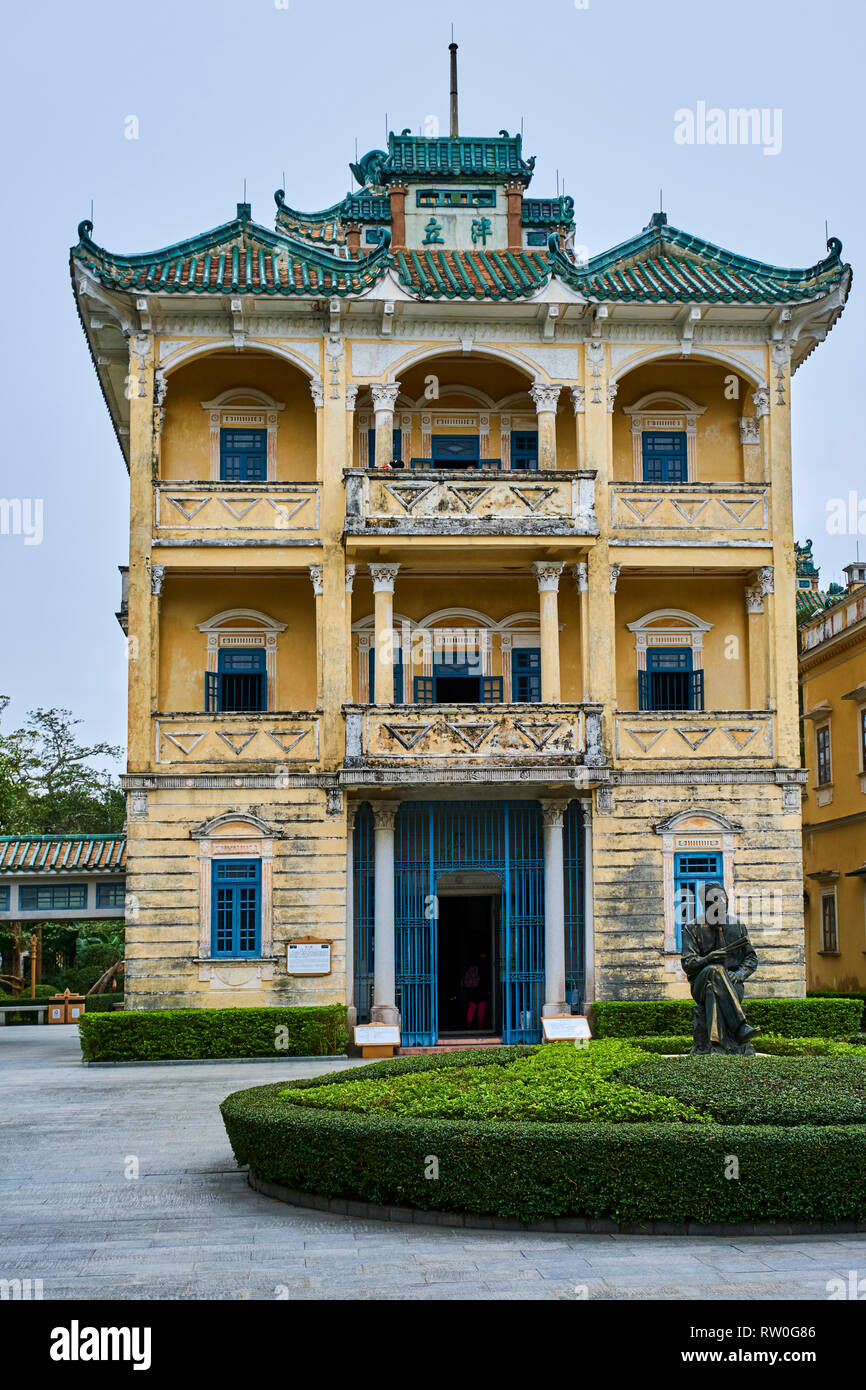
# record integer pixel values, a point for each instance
(189, 1227)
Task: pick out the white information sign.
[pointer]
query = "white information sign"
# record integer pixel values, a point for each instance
(308, 958)
(565, 1026)
(377, 1035)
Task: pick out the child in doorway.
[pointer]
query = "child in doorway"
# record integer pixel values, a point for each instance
(477, 1007)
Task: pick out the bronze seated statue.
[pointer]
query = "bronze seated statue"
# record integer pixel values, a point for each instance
(717, 956)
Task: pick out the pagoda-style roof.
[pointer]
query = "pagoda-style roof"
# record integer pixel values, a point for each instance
(67, 854)
(412, 157)
(662, 265)
(329, 226)
(665, 265)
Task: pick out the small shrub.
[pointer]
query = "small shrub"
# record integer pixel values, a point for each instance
(177, 1034)
(808, 1018)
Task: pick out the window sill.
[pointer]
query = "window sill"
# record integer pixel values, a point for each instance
(233, 960)
(832, 953)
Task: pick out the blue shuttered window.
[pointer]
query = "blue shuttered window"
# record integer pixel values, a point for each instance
(526, 675)
(241, 683)
(669, 683)
(4, 897)
(243, 456)
(524, 449)
(664, 456)
(448, 685)
(398, 674)
(692, 873)
(236, 907)
(456, 450)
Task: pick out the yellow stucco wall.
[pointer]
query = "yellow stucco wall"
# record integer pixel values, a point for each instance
(834, 834)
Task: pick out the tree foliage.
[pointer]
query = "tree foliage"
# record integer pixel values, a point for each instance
(48, 783)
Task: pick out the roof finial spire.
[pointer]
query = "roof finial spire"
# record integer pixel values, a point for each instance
(452, 48)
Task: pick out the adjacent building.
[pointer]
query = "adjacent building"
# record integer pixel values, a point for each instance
(460, 598)
(833, 696)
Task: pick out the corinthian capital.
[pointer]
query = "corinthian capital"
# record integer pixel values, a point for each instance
(545, 397)
(383, 578)
(547, 573)
(385, 396)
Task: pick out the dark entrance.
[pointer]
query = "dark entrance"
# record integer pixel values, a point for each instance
(468, 966)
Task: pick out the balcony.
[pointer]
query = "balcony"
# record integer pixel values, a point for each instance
(700, 513)
(461, 737)
(237, 514)
(469, 502)
(222, 741)
(741, 738)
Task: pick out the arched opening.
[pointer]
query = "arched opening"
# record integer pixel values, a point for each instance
(680, 421)
(238, 418)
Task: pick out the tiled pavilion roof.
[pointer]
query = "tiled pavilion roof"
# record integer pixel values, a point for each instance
(62, 854)
(660, 265)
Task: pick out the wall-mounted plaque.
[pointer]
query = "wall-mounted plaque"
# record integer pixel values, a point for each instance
(308, 957)
(565, 1027)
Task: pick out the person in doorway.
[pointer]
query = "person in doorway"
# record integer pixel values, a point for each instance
(477, 1004)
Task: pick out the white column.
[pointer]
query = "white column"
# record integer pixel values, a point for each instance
(351, 812)
(545, 398)
(384, 948)
(547, 574)
(383, 600)
(553, 813)
(384, 400)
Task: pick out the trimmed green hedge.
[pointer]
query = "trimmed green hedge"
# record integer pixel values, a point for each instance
(179, 1034)
(769, 1043)
(833, 994)
(531, 1171)
(103, 1003)
(787, 1018)
(789, 1091)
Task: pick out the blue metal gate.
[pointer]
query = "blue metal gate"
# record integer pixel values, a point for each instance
(503, 838)
(363, 899)
(574, 902)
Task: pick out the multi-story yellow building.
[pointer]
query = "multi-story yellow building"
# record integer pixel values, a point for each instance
(833, 685)
(460, 597)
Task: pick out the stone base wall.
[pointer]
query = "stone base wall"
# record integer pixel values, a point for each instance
(164, 900)
(629, 884)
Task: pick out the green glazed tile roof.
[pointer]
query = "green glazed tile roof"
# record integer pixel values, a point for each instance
(660, 265)
(62, 854)
(239, 257)
(435, 274)
(664, 264)
(547, 212)
(327, 226)
(415, 156)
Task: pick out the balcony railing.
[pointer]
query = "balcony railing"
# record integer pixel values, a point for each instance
(430, 736)
(224, 741)
(237, 514)
(461, 502)
(700, 512)
(741, 737)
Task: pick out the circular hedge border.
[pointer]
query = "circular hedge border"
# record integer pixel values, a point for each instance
(631, 1174)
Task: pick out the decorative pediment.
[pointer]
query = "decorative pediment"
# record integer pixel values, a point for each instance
(233, 825)
(697, 821)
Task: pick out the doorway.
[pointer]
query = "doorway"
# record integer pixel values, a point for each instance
(467, 949)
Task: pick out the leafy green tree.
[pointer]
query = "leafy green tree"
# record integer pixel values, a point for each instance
(48, 785)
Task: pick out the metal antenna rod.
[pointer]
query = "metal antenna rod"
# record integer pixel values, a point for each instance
(452, 48)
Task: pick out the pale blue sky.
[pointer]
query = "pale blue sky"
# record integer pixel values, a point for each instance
(232, 89)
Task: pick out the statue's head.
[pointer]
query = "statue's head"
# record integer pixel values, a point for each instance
(715, 905)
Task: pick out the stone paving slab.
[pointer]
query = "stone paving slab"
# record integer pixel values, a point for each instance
(191, 1228)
